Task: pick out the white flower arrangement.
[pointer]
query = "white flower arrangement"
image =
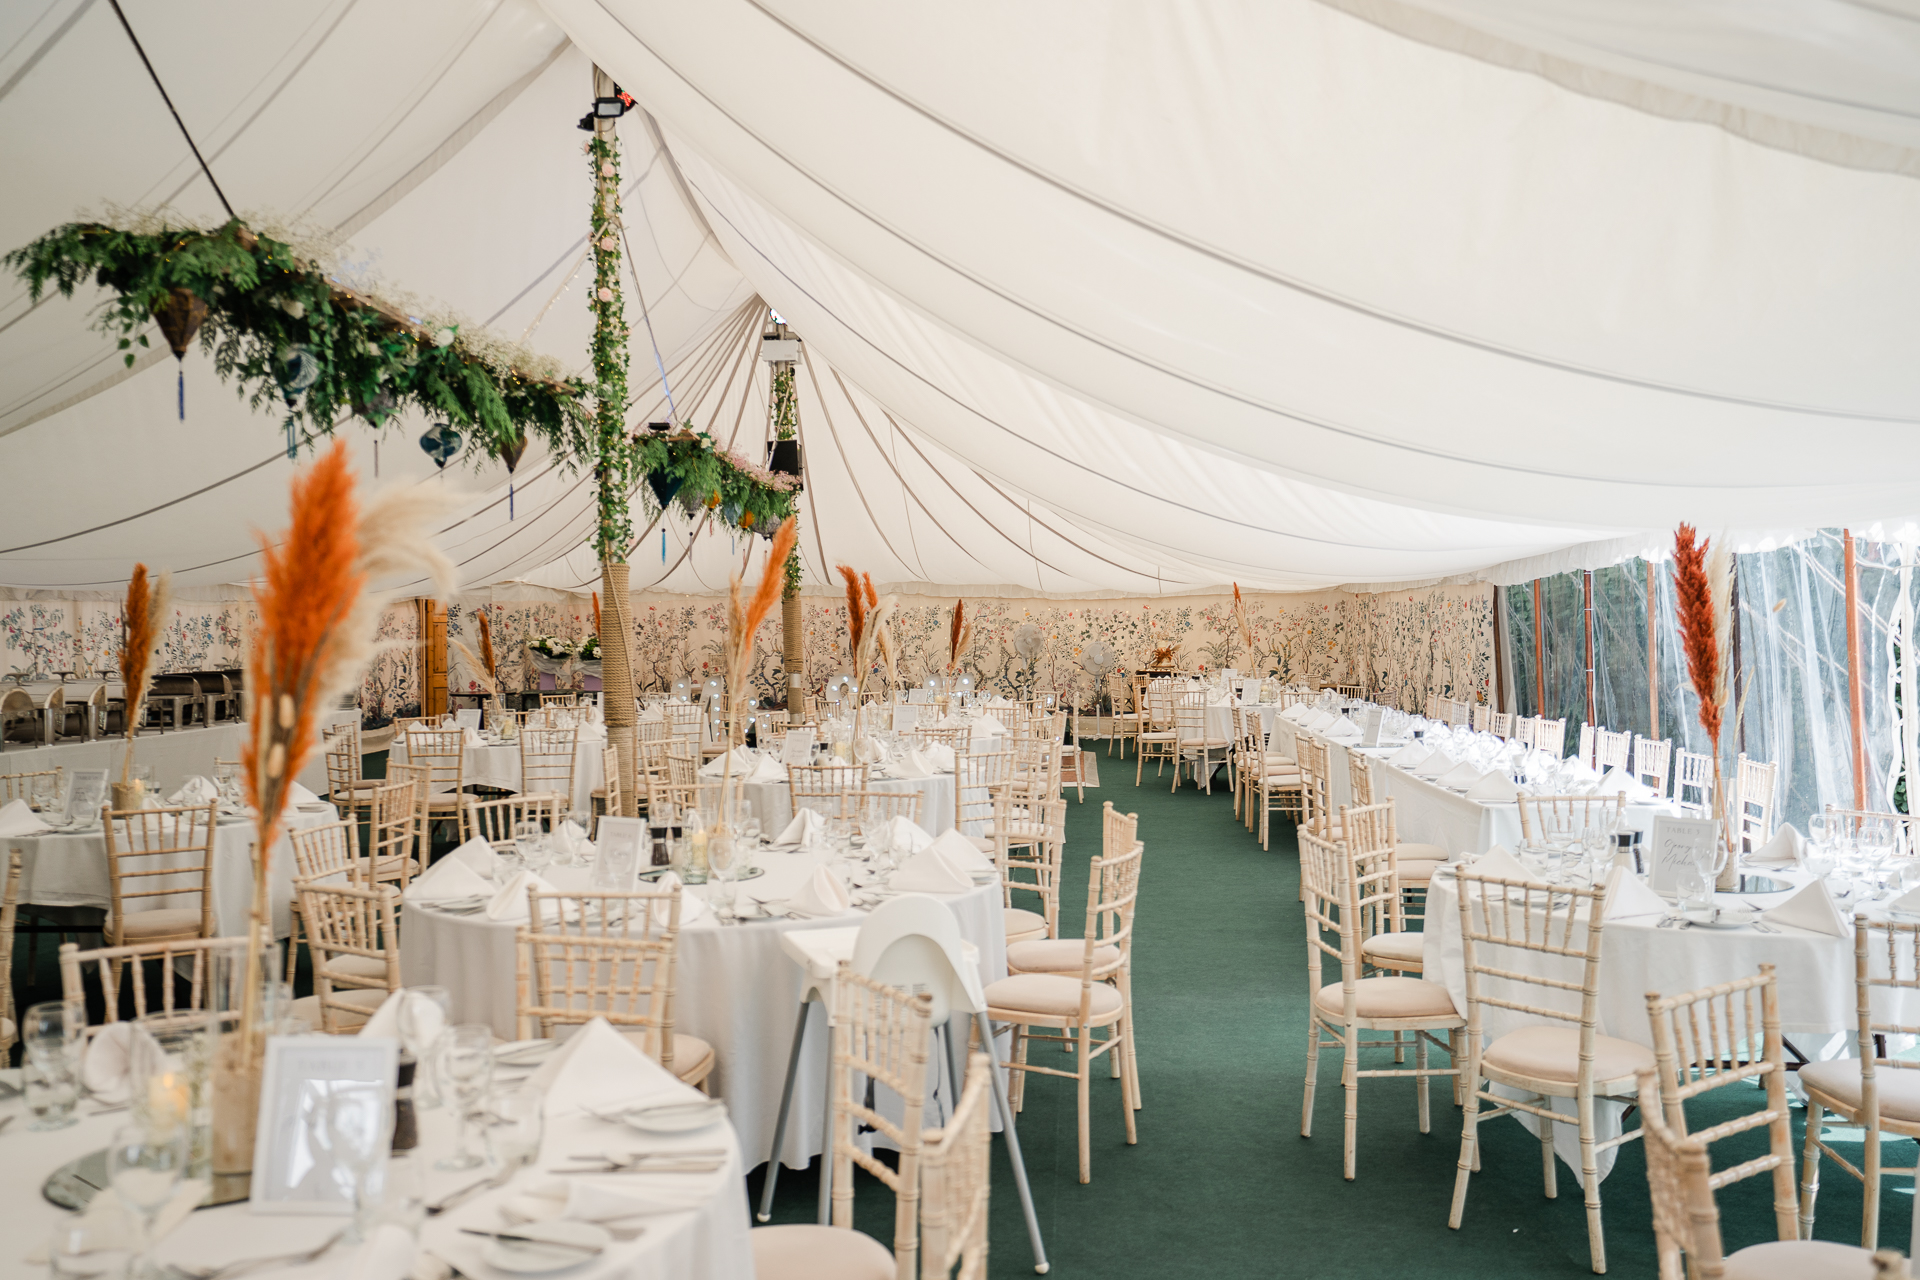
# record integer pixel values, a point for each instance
(551, 646)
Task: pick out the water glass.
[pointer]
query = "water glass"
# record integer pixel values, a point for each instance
(529, 842)
(359, 1120)
(144, 1168)
(403, 1196)
(80, 1249)
(52, 1089)
(42, 793)
(425, 1015)
(515, 1122)
(467, 1067)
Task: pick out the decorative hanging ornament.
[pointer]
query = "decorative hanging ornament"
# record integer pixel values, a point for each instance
(510, 454)
(180, 317)
(296, 370)
(440, 443)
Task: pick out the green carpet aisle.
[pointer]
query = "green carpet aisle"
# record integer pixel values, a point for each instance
(1221, 1183)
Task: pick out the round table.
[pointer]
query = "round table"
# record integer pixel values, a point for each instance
(773, 801)
(735, 987)
(497, 764)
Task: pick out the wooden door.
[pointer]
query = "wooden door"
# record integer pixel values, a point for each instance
(434, 632)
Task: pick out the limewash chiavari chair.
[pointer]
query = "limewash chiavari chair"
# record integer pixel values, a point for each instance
(1124, 720)
(444, 753)
(1478, 715)
(883, 1033)
(178, 960)
(347, 786)
(1550, 736)
(977, 777)
(1458, 714)
(149, 845)
(1372, 829)
(1416, 861)
(1037, 828)
(815, 785)
(19, 786)
(1075, 1004)
(686, 720)
(1500, 724)
(1526, 730)
(1652, 761)
(1272, 781)
(494, 820)
(1611, 750)
(1344, 888)
(1158, 739)
(955, 1183)
(1693, 769)
(1754, 807)
(353, 935)
(1557, 819)
(606, 797)
(422, 778)
(1686, 1220)
(559, 700)
(9, 913)
(395, 827)
(1563, 1055)
(1878, 1093)
(546, 762)
(881, 806)
(574, 965)
(1073, 760)
(957, 739)
(327, 854)
(1316, 789)
(1585, 752)
(1719, 1036)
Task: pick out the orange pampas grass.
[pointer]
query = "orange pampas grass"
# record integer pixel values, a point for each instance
(596, 618)
(143, 616)
(856, 608)
(873, 598)
(959, 637)
(1240, 619)
(486, 642)
(743, 623)
(1699, 632)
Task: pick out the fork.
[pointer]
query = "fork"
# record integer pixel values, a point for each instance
(254, 1264)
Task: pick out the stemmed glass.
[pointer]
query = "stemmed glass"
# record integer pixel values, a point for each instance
(52, 1066)
(514, 1125)
(425, 1012)
(144, 1168)
(41, 793)
(467, 1064)
(359, 1133)
(530, 842)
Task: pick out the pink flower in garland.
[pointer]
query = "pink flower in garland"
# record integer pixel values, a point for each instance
(605, 295)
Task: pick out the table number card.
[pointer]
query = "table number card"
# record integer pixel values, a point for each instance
(86, 792)
(624, 852)
(1677, 843)
(796, 747)
(315, 1091)
(467, 717)
(1370, 727)
(905, 719)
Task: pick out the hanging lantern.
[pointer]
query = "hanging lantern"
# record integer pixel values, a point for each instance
(663, 485)
(179, 318)
(440, 443)
(376, 407)
(746, 520)
(295, 371)
(510, 454)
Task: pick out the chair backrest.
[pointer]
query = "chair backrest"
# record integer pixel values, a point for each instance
(494, 820)
(1190, 718)
(1551, 736)
(114, 965)
(827, 781)
(1499, 916)
(975, 775)
(443, 752)
(346, 920)
(1367, 832)
(1457, 713)
(678, 784)
(559, 700)
(9, 912)
(1525, 730)
(158, 853)
(651, 729)
(686, 719)
(1652, 762)
(1160, 706)
(1886, 954)
(882, 1033)
(1360, 777)
(1346, 893)
(1585, 752)
(958, 739)
(610, 774)
(1848, 822)
(328, 850)
(569, 976)
(19, 786)
(1755, 813)
(1119, 832)
(546, 761)
(955, 1182)
(1725, 1035)
(1113, 891)
(1693, 769)
(1558, 819)
(1611, 750)
(394, 833)
(1502, 724)
(342, 748)
(1037, 828)
(881, 806)
(1316, 789)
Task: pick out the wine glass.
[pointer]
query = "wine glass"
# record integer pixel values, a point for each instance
(529, 842)
(515, 1120)
(722, 875)
(144, 1168)
(467, 1065)
(359, 1124)
(425, 1013)
(41, 792)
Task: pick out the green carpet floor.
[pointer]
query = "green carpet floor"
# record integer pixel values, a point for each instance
(1221, 1183)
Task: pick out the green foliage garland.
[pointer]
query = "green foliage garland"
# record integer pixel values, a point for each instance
(271, 313)
(786, 405)
(613, 453)
(740, 494)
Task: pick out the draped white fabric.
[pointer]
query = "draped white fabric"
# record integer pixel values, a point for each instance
(1097, 298)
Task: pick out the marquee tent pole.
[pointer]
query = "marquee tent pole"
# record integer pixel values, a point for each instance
(1855, 703)
(1586, 587)
(1653, 661)
(1539, 655)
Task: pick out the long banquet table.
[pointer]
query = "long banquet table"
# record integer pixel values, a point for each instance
(175, 756)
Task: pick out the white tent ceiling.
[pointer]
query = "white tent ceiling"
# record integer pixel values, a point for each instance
(1097, 298)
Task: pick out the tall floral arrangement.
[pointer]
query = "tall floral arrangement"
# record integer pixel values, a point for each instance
(1703, 598)
(743, 623)
(144, 615)
(1241, 621)
(959, 636)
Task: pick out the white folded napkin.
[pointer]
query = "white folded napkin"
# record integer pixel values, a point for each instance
(692, 909)
(17, 819)
(768, 771)
(1342, 729)
(1632, 897)
(1494, 787)
(803, 830)
(1411, 756)
(1461, 776)
(938, 756)
(915, 765)
(510, 900)
(570, 840)
(902, 834)
(585, 1200)
(107, 1066)
(593, 731)
(930, 871)
(1439, 763)
(471, 737)
(1297, 712)
(821, 895)
(599, 1068)
(477, 854)
(1615, 781)
(386, 1019)
(1499, 863)
(736, 762)
(1318, 721)
(988, 726)
(298, 795)
(1811, 909)
(1786, 848)
(450, 880)
(961, 852)
(196, 790)
(867, 751)
(1584, 772)
(109, 1225)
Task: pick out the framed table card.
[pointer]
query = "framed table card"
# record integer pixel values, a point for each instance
(624, 853)
(467, 718)
(1370, 727)
(797, 747)
(86, 792)
(1680, 842)
(326, 1102)
(905, 719)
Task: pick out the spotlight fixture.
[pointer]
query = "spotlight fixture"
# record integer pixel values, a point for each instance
(660, 428)
(607, 108)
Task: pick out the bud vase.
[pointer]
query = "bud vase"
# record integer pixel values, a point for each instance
(246, 1008)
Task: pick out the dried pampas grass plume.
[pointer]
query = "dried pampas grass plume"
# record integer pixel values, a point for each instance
(744, 619)
(1700, 630)
(1240, 619)
(143, 616)
(959, 636)
(481, 676)
(486, 643)
(856, 608)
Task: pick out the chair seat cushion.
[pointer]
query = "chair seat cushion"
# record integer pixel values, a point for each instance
(1275, 758)
(1839, 1079)
(1416, 871)
(363, 968)
(1057, 955)
(808, 1251)
(1420, 852)
(1157, 735)
(1278, 778)
(1394, 950)
(1389, 998)
(1553, 1053)
(692, 1056)
(1021, 831)
(1022, 924)
(152, 926)
(1800, 1260)
(1049, 995)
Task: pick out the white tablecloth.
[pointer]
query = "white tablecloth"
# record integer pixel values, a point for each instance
(704, 1243)
(737, 990)
(1428, 813)
(71, 871)
(1815, 973)
(175, 756)
(499, 766)
(773, 801)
